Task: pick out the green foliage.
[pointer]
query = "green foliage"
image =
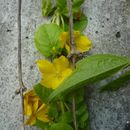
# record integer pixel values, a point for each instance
(63, 9)
(90, 70)
(46, 7)
(47, 40)
(60, 13)
(81, 110)
(62, 6)
(80, 22)
(42, 92)
(66, 117)
(117, 83)
(76, 5)
(53, 111)
(61, 126)
(42, 125)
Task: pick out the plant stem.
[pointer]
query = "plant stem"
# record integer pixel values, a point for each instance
(74, 56)
(71, 32)
(62, 107)
(74, 112)
(21, 84)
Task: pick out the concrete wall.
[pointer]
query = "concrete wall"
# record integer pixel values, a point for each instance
(109, 29)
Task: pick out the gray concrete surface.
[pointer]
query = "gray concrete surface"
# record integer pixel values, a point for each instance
(109, 29)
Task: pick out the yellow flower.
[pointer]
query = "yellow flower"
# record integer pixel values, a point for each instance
(34, 108)
(82, 42)
(54, 73)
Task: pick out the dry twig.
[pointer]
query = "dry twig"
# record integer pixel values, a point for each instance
(21, 84)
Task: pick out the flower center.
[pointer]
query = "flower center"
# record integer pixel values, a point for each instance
(58, 74)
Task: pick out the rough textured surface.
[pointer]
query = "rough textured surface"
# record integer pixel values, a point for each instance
(109, 29)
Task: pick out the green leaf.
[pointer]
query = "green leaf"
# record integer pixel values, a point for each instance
(117, 83)
(42, 125)
(79, 23)
(61, 126)
(42, 92)
(81, 110)
(90, 70)
(76, 5)
(63, 9)
(47, 39)
(61, 4)
(46, 7)
(66, 117)
(53, 111)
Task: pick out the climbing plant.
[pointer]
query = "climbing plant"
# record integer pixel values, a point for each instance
(57, 101)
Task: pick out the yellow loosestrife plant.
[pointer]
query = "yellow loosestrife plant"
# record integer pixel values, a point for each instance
(49, 105)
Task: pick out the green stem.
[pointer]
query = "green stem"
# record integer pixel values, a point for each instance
(67, 107)
(74, 112)
(62, 107)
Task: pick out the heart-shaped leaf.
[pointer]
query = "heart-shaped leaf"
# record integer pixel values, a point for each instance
(47, 39)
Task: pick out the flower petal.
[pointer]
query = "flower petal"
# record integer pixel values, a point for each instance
(43, 118)
(27, 109)
(64, 37)
(58, 81)
(83, 44)
(61, 63)
(31, 120)
(45, 66)
(42, 113)
(76, 34)
(31, 102)
(66, 73)
(47, 81)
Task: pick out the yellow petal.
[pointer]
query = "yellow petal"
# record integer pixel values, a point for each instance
(31, 120)
(66, 73)
(48, 80)
(27, 109)
(56, 82)
(51, 81)
(42, 113)
(76, 34)
(59, 80)
(27, 105)
(30, 93)
(43, 118)
(45, 66)
(64, 37)
(83, 44)
(31, 101)
(35, 105)
(67, 48)
(61, 63)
